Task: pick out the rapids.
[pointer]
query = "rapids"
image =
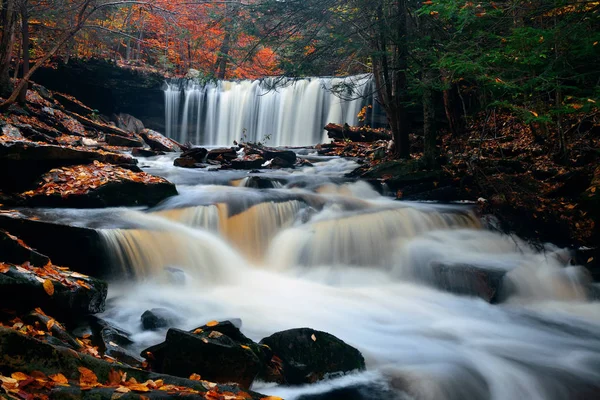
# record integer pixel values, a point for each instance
(322, 252)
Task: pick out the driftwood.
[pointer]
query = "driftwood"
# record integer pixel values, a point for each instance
(355, 134)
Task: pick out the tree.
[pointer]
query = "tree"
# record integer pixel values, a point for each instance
(9, 18)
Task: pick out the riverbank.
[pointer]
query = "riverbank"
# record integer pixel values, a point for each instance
(509, 172)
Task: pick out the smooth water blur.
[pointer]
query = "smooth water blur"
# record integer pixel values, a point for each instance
(322, 252)
(277, 111)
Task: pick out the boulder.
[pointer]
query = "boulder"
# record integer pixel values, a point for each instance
(98, 185)
(25, 354)
(252, 161)
(308, 356)
(128, 123)
(158, 142)
(157, 318)
(61, 292)
(28, 160)
(15, 251)
(187, 162)
(192, 158)
(224, 154)
(122, 141)
(465, 279)
(81, 249)
(139, 152)
(218, 352)
(277, 163)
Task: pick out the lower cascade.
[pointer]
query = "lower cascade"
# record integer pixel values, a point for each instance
(277, 111)
(440, 305)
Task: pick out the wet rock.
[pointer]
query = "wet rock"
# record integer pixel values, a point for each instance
(128, 123)
(27, 161)
(63, 337)
(277, 163)
(81, 249)
(139, 152)
(252, 161)
(102, 185)
(187, 162)
(15, 251)
(33, 134)
(465, 279)
(219, 353)
(26, 354)
(158, 142)
(224, 154)
(21, 289)
(116, 140)
(197, 153)
(157, 318)
(309, 356)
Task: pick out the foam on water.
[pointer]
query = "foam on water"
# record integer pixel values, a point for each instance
(359, 266)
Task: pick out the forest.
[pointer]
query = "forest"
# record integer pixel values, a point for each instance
(299, 199)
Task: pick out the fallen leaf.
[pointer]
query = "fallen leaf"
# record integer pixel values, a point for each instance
(50, 323)
(87, 377)
(212, 323)
(48, 287)
(122, 389)
(4, 268)
(20, 376)
(58, 378)
(195, 377)
(138, 387)
(313, 337)
(589, 260)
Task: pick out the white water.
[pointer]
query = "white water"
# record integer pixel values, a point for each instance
(274, 111)
(346, 261)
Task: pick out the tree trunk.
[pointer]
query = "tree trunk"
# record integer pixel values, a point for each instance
(431, 150)
(25, 48)
(6, 45)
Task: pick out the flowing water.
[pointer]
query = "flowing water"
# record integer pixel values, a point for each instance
(319, 251)
(276, 111)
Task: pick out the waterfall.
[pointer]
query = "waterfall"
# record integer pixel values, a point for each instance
(276, 111)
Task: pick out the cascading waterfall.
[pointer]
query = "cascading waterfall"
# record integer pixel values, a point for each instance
(276, 111)
(340, 258)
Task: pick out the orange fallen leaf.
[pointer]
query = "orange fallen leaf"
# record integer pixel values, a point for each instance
(50, 323)
(58, 378)
(4, 268)
(271, 398)
(195, 377)
(138, 387)
(212, 323)
(20, 376)
(87, 377)
(48, 287)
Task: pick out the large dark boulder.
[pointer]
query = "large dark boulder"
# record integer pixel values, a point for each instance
(192, 158)
(157, 318)
(253, 161)
(98, 185)
(61, 293)
(28, 160)
(465, 279)
(128, 123)
(223, 154)
(81, 249)
(14, 250)
(122, 141)
(158, 142)
(219, 353)
(21, 353)
(309, 356)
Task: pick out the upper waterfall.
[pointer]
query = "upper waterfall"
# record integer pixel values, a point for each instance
(277, 111)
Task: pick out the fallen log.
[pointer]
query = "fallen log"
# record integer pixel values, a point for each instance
(355, 134)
